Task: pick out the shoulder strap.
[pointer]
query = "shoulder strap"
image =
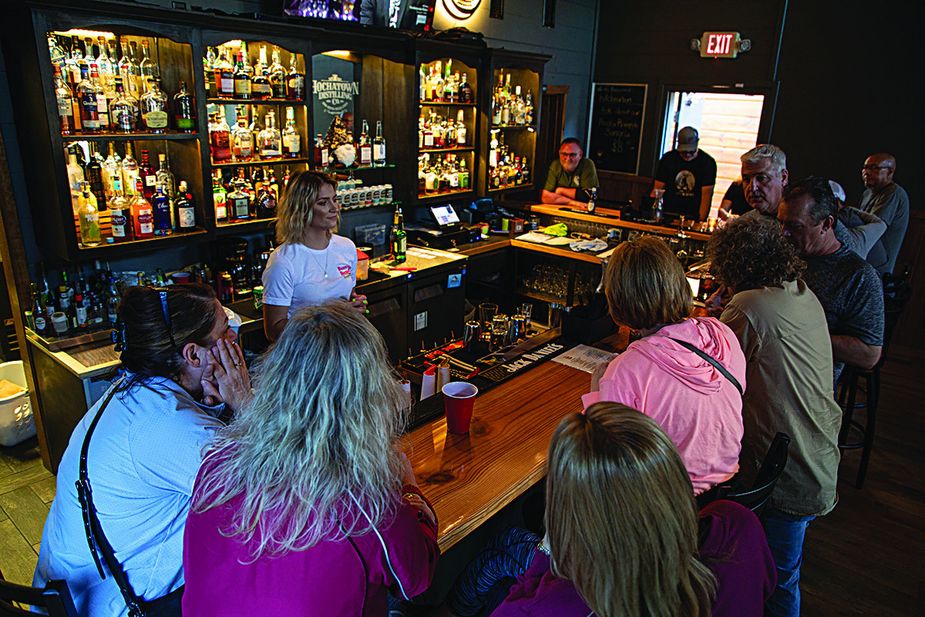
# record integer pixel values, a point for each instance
(719, 367)
(96, 539)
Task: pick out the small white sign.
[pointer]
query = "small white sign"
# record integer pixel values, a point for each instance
(420, 321)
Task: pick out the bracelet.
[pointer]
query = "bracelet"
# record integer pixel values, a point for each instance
(543, 548)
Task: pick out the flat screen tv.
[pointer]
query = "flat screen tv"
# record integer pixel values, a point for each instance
(417, 15)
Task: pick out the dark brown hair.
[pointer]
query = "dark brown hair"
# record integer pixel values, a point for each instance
(150, 346)
(751, 254)
(645, 285)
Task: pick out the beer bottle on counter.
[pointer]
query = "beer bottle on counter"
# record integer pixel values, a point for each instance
(399, 238)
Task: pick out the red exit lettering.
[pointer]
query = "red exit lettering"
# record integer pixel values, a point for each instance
(719, 44)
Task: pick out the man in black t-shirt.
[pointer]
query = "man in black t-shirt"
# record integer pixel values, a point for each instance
(687, 176)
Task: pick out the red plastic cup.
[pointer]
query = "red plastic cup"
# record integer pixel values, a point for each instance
(458, 400)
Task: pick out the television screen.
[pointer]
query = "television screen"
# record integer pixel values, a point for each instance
(405, 14)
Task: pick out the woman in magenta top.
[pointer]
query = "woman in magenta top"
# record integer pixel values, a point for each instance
(304, 505)
(622, 532)
(699, 408)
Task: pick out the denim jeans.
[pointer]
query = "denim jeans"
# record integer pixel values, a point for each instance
(785, 534)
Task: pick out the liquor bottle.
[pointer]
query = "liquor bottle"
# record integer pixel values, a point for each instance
(124, 110)
(239, 202)
(154, 107)
(184, 110)
(55, 51)
(399, 237)
(219, 198)
(224, 77)
(465, 90)
(142, 214)
(147, 174)
(219, 139)
(88, 217)
(322, 155)
(242, 138)
(111, 169)
(64, 101)
(428, 136)
(135, 69)
(437, 83)
(40, 312)
(295, 81)
(119, 213)
(160, 204)
(525, 170)
(106, 69)
(277, 76)
(208, 69)
(184, 210)
(86, 95)
(147, 67)
(366, 148)
(260, 82)
(242, 78)
(130, 173)
(269, 139)
(265, 198)
(463, 175)
(75, 176)
(292, 141)
(493, 150)
(94, 172)
(379, 146)
(164, 177)
(461, 131)
(450, 87)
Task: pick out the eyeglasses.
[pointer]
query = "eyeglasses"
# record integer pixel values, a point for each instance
(875, 167)
(569, 155)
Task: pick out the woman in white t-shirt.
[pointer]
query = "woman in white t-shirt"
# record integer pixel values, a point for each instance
(312, 265)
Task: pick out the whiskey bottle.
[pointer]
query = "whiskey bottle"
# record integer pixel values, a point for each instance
(124, 110)
(399, 237)
(184, 210)
(269, 138)
(239, 202)
(64, 101)
(184, 110)
(154, 108)
(130, 173)
(224, 77)
(292, 143)
(379, 146)
(242, 78)
(366, 148)
(147, 174)
(219, 138)
(219, 198)
(295, 82)
(277, 76)
(242, 138)
(465, 90)
(260, 82)
(86, 96)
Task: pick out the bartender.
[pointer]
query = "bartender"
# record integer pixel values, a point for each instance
(312, 264)
(570, 176)
(686, 176)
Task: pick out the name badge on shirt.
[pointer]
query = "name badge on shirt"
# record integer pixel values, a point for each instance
(344, 270)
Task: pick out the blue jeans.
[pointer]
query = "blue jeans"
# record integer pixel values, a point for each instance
(785, 534)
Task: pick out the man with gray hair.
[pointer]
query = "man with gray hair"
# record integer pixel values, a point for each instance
(764, 176)
(890, 202)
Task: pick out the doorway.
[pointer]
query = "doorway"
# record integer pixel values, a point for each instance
(728, 125)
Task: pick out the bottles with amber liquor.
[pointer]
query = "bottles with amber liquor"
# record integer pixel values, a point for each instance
(238, 201)
(277, 76)
(292, 141)
(379, 146)
(219, 139)
(124, 110)
(399, 237)
(119, 214)
(64, 101)
(242, 138)
(142, 214)
(184, 210)
(86, 96)
(465, 90)
(260, 82)
(154, 108)
(265, 197)
(219, 198)
(461, 131)
(269, 140)
(224, 77)
(295, 81)
(184, 110)
(130, 174)
(88, 217)
(208, 68)
(160, 204)
(366, 148)
(242, 78)
(322, 156)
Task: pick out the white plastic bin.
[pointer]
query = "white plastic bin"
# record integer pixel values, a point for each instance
(16, 421)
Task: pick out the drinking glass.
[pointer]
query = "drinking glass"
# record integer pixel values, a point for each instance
(487, 312)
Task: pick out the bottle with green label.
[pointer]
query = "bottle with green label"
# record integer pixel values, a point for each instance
(399, 238)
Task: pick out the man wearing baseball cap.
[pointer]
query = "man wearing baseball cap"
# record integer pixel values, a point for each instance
(687, 176)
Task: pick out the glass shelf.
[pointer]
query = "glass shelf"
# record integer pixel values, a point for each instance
(445, 104)
(171, 136)
(256, 162)
(175, 236)
(456, 149)
(219, 101)
(445, 194)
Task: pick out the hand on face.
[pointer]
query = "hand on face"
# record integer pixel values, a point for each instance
(230, 383)
(360, 303)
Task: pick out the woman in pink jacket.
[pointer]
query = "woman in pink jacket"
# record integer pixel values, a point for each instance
(686, 373)
(305, 505)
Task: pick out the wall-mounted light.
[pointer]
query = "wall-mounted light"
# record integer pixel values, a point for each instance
(461, 9)
(549, 13)
(496, 9)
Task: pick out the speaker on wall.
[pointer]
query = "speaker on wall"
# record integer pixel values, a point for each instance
(549, 13)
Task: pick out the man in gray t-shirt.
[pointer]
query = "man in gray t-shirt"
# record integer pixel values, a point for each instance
(890, 202)
(848, 288)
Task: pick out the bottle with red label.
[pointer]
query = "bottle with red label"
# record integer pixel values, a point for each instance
(142, 213)
(147, 174)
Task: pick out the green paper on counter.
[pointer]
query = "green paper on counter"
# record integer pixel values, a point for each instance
(559, 229)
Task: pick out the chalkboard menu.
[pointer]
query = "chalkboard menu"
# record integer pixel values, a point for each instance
(615, 131)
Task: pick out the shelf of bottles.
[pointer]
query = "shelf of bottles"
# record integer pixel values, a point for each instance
(446, 128)
(127, 119)
(512, 132)
(258, 127)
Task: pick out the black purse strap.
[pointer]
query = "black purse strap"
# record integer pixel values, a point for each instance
(719, 367)
(96, 539)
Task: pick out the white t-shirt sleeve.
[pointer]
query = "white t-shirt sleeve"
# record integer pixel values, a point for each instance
(278, 281)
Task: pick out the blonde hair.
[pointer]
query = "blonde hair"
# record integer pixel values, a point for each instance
(766, 152)
(645, 285)
(296, 207)
(317, 440)
(621, 517)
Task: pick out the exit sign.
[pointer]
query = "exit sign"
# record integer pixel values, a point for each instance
(720, 44)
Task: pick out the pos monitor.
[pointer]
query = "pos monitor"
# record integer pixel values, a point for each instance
(417, 15)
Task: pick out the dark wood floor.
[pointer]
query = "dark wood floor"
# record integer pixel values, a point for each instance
(865, 558)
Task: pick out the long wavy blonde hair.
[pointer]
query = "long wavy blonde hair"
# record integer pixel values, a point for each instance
(318, 438)
(296, 207)
(621, 517)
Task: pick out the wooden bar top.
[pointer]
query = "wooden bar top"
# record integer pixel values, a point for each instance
(612, 218)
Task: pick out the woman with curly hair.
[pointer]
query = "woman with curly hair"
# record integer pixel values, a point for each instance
(783, 332)
(304, 504)
(687, 373)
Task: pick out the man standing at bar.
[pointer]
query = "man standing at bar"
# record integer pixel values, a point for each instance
(764, 177)
(890, 202)
(848, 288)
(687, 176)
(569, 176)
